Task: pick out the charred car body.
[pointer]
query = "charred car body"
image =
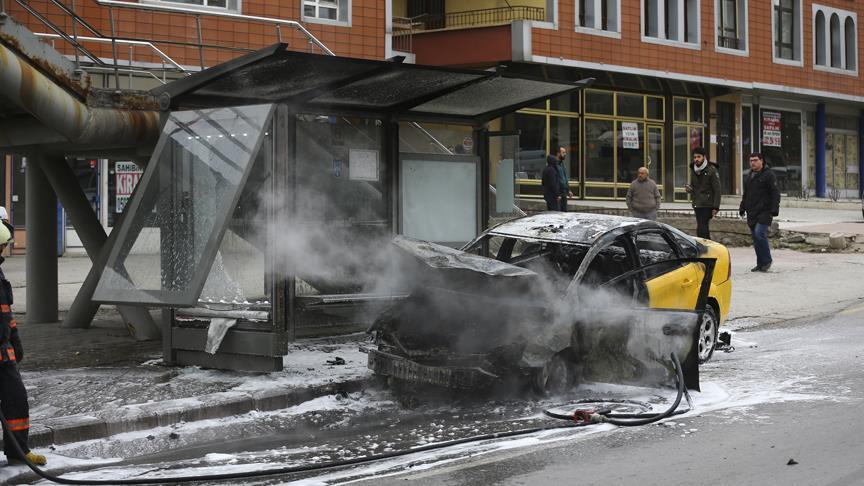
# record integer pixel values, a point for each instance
(551, 300)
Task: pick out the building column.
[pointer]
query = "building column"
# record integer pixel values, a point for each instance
(41, 262)
(819, 150)
(861, 155)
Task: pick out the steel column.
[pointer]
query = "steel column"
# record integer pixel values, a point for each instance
(819, 150)
(861, 155)
(97, 244)
(41, 263)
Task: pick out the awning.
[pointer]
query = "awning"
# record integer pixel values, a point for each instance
(330, 84)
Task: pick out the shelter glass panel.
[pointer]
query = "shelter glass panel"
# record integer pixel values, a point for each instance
(176, 221)
(434, 138)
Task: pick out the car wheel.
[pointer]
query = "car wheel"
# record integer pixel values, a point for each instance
(556, 377)
(708, 334)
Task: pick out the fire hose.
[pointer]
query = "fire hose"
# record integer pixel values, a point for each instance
(579, 418)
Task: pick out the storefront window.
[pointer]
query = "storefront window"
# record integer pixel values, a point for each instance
(429, 138)
(631, 150)
(599, 102)
(696, 111)
(567, 103)
(532, 145)
(565, 133)
(599, 151)
(680, 106)
(631, 105)
(87, 173)
(781, 146)
(654, 109)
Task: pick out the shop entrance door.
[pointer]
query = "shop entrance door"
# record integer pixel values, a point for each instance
(841, 157)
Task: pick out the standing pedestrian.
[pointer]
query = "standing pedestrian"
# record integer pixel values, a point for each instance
(562, 178)
(551, 187)
(643, 197)
(761, 202)
(705, 192)
(13, 395)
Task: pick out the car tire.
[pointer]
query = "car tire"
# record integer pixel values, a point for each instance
(556, 377)
(708, 331)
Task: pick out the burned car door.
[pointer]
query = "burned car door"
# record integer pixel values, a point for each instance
(619, 337)
(671, 283)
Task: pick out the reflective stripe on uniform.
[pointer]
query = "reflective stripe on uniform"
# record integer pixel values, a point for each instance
(13, 324)
(16, 425)
(5, 308)
(7, 354)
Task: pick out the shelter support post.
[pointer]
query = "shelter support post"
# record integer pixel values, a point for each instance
(97, 244)
(41, 264)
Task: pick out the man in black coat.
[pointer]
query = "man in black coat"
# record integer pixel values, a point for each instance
(704, 192)
(761, 202)
(551, 185)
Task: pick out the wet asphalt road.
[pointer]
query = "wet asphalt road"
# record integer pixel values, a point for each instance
(789, 391)
(734, 446)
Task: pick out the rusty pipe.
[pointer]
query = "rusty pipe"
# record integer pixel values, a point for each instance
(57, 109)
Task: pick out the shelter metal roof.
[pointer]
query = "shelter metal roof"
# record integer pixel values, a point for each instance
(319, 83)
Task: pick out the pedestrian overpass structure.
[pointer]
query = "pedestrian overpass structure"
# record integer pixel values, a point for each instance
(256, 169)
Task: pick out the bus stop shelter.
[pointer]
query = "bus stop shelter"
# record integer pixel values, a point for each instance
(275, 174)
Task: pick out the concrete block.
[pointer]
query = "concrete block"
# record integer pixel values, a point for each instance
(837, 241)
(128, 419)
(218, 405)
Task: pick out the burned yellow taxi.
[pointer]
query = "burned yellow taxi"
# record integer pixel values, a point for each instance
(554, 299)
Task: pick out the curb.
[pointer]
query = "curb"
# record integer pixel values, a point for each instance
(130, 418)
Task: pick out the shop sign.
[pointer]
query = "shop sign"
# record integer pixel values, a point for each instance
(771, 129)
(126, 177)
(630, 135)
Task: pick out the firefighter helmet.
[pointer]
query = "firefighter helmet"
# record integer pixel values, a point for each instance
(5, 233)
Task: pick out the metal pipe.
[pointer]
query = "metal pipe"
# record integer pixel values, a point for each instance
(129, 42)
(41, 263)
(200, 41)
(57, 109)
(252, 18)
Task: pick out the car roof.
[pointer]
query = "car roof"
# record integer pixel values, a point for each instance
(578, 228)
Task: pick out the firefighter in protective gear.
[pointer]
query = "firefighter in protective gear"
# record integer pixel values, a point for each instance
(13, 395)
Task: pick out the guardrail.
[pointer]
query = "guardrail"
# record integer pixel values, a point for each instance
(480, 17)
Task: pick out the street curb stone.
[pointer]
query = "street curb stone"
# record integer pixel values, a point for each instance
(130, 418)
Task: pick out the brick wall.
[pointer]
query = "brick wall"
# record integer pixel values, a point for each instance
(363, 39)
(758, 67)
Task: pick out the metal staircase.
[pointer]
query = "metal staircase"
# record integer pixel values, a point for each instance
(130, 57)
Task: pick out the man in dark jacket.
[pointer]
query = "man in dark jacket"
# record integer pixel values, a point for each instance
(13, 395)
(551, 186)
(761, 202)
(563, 181)
(705, 192)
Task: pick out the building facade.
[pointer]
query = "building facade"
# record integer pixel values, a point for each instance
(734, 76)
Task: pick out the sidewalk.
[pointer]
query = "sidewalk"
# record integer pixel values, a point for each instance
(92, 383)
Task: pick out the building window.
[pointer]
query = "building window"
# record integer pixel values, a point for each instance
(851, 45)
(731, 24)
(675, 21)
(233, 5)
(598, 16)
(835, 40)
(820, 38)
(326, 10)
(787, 27)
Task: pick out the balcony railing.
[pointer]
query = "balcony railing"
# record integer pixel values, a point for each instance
(727, 42)
(477, 18)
